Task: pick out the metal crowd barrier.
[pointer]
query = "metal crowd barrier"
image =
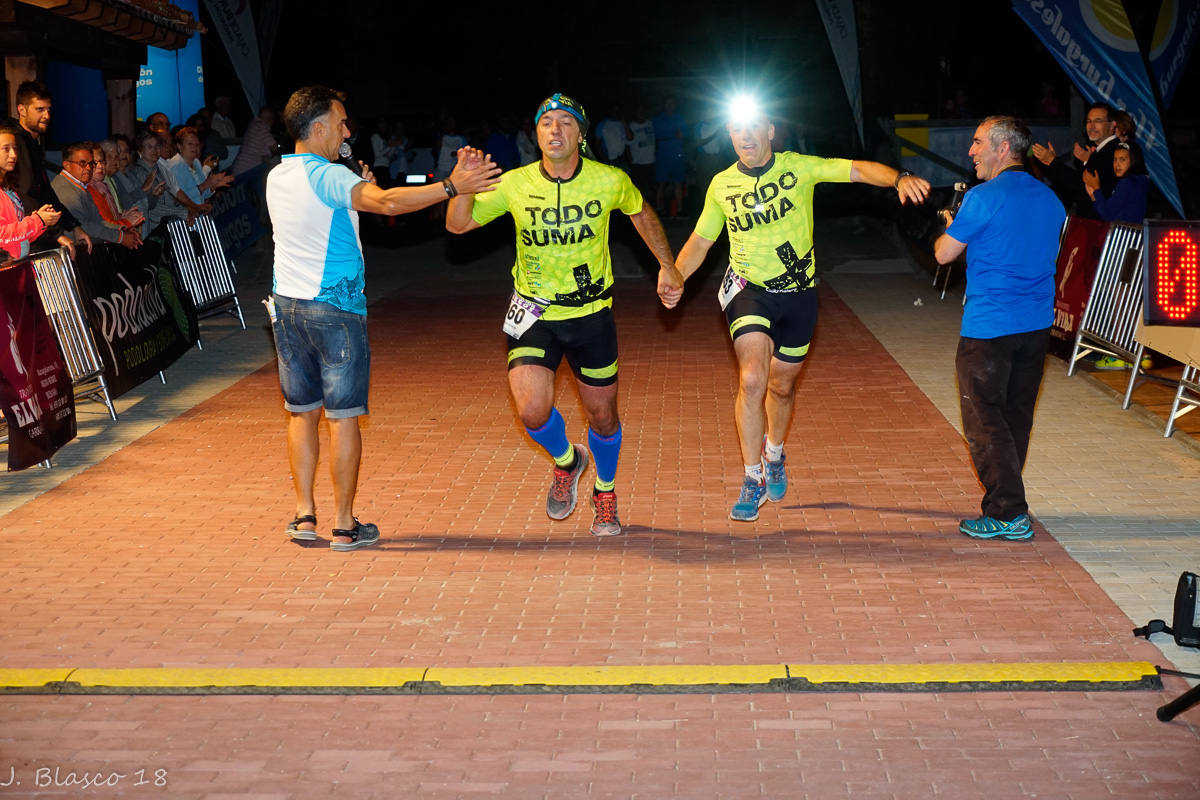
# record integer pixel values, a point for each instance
(1114, 306)
(56, 284)
(206, 273)
(1187, 395)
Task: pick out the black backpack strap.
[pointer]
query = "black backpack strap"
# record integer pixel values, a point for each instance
(1153, 626)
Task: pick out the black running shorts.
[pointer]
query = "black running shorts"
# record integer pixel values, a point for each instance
(589, 343)
(789, 318)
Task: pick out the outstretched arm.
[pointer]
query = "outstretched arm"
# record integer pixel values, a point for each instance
(670, 283)
(369, 197)
(909, 187)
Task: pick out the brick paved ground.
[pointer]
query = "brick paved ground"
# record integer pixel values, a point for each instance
(169, 552)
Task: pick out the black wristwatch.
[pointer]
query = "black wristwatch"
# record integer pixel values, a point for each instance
(904, 173)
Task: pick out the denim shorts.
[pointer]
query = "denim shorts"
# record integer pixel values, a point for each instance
(324, 357)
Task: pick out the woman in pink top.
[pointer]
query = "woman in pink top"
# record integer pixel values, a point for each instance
(16, 229)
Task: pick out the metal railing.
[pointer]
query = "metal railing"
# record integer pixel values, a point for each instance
(206, 273)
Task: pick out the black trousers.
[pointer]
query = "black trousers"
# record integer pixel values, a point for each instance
(998, 382)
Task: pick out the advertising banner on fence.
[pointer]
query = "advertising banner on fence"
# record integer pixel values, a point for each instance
(35, 389)
(138, 312)
(1093, 42)
(238, 211)
(1078, 258)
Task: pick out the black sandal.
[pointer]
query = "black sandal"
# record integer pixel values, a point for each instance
(363, 534)
(296, 532)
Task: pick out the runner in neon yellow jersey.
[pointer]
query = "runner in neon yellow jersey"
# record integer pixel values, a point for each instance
(764, 201)
(562, 298)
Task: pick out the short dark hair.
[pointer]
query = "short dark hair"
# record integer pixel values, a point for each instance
(29, 91)
(76, 147)
(307, 105)
(1108, 110)
(1011, 130)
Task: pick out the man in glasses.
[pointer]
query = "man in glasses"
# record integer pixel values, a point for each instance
(1096, 158)
(71, 187)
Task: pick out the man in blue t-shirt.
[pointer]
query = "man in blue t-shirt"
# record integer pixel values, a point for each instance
(1009, 227)
(317, 307)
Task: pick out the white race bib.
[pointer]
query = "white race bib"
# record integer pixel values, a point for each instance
(731, 284)
(521, 315)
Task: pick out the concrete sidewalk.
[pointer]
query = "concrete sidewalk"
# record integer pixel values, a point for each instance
(165, 550)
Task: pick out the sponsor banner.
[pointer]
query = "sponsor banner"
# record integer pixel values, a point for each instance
(35, 387)
(1174, 38)
(171, 81)
(234, 20)
(1078, 258)
(838, 16)
(140, 315)
(1093, 42)
(238, 211)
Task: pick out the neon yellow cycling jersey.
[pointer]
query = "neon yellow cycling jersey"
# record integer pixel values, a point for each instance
(562, 233)
(769, 217)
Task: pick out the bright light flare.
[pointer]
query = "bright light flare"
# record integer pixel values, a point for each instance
(744, 108)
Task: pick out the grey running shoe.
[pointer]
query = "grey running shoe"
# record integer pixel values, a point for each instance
(564, 488)
(605, 522)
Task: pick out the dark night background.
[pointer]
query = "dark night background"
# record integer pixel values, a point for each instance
(484, 61)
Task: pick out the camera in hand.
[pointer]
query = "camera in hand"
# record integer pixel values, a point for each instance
(946, 215)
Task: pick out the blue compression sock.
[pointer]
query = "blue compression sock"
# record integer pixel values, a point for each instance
(605, 451)
(553, 436)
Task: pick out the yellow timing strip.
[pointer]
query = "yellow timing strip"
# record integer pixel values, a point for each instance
(429, 680)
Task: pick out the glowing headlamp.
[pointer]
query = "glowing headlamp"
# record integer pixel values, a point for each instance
(744, 108)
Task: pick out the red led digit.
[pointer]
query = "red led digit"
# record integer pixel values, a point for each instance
(1180, 275)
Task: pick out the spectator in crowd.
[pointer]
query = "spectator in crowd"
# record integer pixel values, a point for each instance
(641, 150)
(668, 158)
(525, 146)
(1127, 203)
(399, 144)
(33, 185)
(104, 196)
(142, 181)
(1048, 105)
(613, 134)
(221, 123)
(501, 145)
(258, 144)
(1095, 158)
(71, 188)
(17, 229)
(124, 151)
(211, 143)
(160, 125)
(381, 154)
(447, 148)
(194, 184)
(709, 135)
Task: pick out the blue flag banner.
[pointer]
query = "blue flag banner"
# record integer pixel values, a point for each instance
(1174, 38)
(1093, 41)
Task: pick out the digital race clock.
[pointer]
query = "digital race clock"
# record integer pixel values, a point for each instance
(1171, 285)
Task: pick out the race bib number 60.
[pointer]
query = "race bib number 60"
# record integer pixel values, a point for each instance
(731, 284)
(521, 315)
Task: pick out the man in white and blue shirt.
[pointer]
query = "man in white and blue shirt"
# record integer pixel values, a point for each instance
(318, 309)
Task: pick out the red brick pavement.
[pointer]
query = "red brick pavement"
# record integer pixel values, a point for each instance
(171, 553)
